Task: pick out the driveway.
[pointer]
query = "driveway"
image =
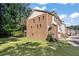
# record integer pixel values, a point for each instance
(74, 40)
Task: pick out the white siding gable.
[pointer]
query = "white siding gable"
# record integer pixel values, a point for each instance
(35, 13)
(53, 20)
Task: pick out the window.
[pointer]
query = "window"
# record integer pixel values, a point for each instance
(31, 26)
(43, 17)
(32, 34)
(40, 25)
(37, 25)
(39, 18)
(59, 28)
(33, 20)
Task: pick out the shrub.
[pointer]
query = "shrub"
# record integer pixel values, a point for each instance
(17, 33)
(51, 39)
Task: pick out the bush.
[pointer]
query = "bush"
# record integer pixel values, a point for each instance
(17, 33)
(51, 39)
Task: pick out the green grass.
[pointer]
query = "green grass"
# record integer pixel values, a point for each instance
(67, 51)
(12, 43)
(27, 49)
(31, 47)
(25, 46)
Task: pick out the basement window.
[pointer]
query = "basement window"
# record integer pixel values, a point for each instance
(32, 34)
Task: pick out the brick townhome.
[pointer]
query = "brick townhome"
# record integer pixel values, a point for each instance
(41, 23)
(70, 32)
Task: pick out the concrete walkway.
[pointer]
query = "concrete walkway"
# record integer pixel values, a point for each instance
(75, 45)
(74, 40)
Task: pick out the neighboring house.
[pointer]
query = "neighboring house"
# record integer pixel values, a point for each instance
(72, 32)
(68, 31)
(63, 28)
(76, 32)
(41, 23)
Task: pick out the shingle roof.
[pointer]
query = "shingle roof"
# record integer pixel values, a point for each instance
(53, 12)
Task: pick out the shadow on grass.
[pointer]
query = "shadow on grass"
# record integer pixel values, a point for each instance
(9, 39)
(67, 51)
(64, 49)
(28, 49)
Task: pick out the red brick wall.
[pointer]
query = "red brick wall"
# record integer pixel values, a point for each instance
(35, 30)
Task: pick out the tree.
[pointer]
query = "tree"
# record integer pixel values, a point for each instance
(75, 27)
(12, 15)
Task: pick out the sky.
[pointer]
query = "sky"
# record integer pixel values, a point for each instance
(68, 12)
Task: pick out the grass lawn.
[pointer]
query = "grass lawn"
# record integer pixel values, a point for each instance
(30, 47)
(67, 51)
